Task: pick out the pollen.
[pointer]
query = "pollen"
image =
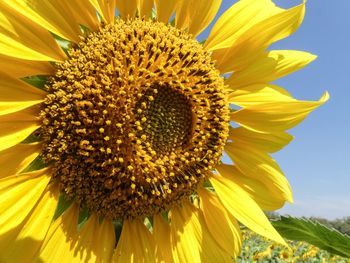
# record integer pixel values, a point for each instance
(135, 119)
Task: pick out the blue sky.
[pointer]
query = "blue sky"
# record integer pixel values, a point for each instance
(317, 162)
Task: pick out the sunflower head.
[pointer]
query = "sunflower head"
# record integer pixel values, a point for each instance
(131, 124)
(135, 119)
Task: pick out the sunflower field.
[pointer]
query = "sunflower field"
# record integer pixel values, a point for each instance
(259, 249)
(308, 241)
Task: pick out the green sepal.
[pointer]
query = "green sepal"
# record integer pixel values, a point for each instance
(83, 217)
(118, 226)
(35, 165)
(37, 81)
(63, 204)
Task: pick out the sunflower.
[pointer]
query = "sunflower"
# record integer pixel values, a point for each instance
(114, 118)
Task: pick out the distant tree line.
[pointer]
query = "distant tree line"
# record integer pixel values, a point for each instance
(342, 224)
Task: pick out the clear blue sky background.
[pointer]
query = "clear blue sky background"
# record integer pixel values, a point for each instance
(317, 162)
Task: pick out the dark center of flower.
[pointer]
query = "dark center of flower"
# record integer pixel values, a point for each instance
(134, 120)
(167, 118)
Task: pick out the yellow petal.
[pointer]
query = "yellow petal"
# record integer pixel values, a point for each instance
(201, 13)
(15, 127)
(258, 94)
(198, 18)
(211, 250)
(22, 38)
(8, 107)
(15, 159)
(256, 189)
(18, 196)
(145, 7)
(239, 204)
(237, 20)
(143, 248)
(16, 95)
(84, 13)
(95, 241)
(191, 238)
(162, 237)
(276, 116)
(127, 8)
(185, 236)
(49, 14)
(223, 227)
(105, 8)
(268, 142)
(25, 244)
(23, 68)
(165, 9)
(9, 46)
(260, 166)
(182, 13)
(251, 45)
(59, 243)
(274, 65)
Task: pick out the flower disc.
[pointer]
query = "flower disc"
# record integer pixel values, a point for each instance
(135, 119)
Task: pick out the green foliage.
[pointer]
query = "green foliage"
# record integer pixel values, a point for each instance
(314, 233)
(341, 224)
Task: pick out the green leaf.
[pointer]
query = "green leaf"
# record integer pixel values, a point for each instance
(325, 238)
